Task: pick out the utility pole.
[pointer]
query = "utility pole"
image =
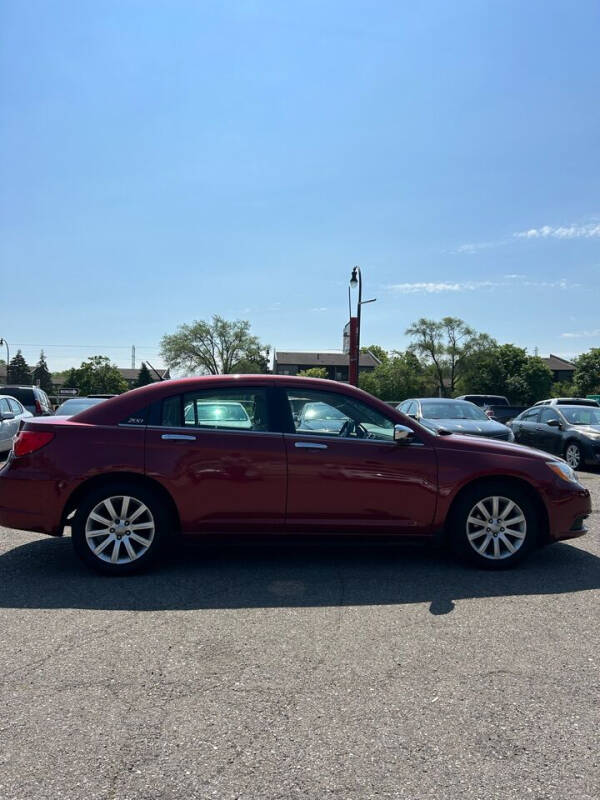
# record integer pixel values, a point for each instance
(132, 356)
(354, 354)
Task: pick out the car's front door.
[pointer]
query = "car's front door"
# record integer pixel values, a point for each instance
(214, 451)
(353, 476)
(549, 437)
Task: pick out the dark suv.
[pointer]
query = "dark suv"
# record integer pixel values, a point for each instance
(35, 400)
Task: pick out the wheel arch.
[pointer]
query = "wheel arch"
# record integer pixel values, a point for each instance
(518, 483)
(108, 478)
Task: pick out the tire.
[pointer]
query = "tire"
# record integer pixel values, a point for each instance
(494, 545)
(573, 454)
(126, 541)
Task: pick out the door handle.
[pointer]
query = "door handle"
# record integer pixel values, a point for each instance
(311, 445)
(180, 437)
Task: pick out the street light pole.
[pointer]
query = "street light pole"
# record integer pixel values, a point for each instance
(5, 343)
(354, 360)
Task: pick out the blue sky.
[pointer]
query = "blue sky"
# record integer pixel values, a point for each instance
(164, 161)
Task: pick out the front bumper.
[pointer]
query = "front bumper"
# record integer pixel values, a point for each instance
(567, 511)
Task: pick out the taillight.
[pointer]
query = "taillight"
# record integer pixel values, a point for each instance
(38, 408)
(30, 441)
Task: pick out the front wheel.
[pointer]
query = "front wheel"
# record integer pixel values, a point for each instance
(573, 455)
(494, 526)
(118, 529)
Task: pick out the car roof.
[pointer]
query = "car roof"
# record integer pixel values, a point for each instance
(116, 409)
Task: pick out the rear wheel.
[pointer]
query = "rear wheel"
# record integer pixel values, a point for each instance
(118, 529)
(494, 525)
(573, 455)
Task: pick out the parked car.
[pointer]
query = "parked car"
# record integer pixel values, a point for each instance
(34, 399)
(496, 406)
(454, 416)
(11, 415)
(572, 432)
(131, 472)
(568, 401)
(74, 405)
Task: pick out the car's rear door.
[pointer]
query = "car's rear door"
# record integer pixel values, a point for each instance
(358, 478)
(227, 472)
(524, 427)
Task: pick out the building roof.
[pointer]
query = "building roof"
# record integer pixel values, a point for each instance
(558, 364)
(315, 359)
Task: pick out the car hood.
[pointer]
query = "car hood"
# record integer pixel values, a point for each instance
(467, 426)
(490, 445)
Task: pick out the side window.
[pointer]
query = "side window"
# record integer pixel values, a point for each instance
(218, 409)
(531, 415)
(331, 414)
(14, 406)
(4, 407)
(548, 414)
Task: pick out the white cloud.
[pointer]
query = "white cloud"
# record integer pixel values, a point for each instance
(431, 287)
(589, 231)
(581, 334)
(322, 308)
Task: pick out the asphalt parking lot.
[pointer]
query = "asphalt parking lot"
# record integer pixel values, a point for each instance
(346, 670)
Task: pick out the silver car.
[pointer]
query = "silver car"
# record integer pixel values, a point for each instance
(11, 414)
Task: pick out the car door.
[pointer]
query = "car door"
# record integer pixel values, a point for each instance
(358, 478)
(214, 451)
(549, 437)
(524, 426)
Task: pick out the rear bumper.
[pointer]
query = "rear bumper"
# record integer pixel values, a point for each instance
(567, 514)
(31, 505)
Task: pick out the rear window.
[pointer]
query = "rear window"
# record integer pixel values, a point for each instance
(25, 396)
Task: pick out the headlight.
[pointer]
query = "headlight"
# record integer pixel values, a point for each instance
(563, 471)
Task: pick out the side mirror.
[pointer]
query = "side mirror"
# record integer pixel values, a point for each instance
(403, 434)
(554, 423)
(5, 416)
(412, 416)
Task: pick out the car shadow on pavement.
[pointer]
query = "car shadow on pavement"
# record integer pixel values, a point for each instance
(284, 573)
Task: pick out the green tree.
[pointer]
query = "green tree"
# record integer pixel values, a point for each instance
(400, 376)
(313, 372)
(216, 347)
(488, 370)
(586, 379)
(447, 345)
(41, 374)
(533, 382)
(96, 376)
(144, 376)
(19, 370)
(377, 351)
(562, 389)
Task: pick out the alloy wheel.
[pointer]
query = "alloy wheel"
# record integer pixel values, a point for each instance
(496, 527)
(573, 456)
(119, 529)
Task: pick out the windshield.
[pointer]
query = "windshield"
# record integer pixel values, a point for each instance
(453, 410)
(581, 415)
(220, 412)
(321, 411)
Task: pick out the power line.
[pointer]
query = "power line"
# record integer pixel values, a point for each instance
(154, 347)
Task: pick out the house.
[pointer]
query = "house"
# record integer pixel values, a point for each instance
(336, 363)
(562, 370)
(129, 375)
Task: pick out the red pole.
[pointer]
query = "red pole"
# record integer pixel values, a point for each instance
(353, 354)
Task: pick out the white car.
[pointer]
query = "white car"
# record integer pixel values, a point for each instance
(11, 414)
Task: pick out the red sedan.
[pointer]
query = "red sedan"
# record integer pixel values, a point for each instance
(262, 453)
